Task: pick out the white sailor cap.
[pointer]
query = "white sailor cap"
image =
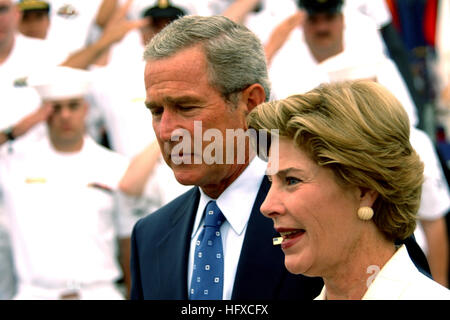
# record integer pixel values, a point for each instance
(61, 83)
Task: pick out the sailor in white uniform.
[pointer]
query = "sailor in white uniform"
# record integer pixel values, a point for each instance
(19, 56)
(61, 203)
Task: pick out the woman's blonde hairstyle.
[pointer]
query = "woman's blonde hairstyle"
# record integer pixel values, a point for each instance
(360, 131)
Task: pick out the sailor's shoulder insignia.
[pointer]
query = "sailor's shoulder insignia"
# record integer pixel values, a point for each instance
(20, 82)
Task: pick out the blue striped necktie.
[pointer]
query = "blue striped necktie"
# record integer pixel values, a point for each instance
(207, 274)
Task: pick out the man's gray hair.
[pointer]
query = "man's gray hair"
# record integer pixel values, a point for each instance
(234, 54)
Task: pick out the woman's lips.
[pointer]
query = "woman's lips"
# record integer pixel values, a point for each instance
(290, 236)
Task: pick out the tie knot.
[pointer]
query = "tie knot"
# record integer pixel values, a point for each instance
(213, 216)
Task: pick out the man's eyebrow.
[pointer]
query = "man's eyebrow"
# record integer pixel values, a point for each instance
(150, 105)
(174, 101)
(183, 99)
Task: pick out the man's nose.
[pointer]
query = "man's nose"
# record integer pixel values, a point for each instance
(65, 112)
(166, 125)
(323, 27)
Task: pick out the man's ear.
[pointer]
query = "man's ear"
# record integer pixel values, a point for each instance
(367, 197)
(253, 96)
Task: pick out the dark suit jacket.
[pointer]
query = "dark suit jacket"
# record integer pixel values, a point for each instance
(160, 250)
(160, 246)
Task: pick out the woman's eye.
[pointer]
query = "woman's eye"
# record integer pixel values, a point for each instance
(292, 181)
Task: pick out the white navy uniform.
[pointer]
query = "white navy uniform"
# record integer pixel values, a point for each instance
(435, 200)
(377, 10)
(293, 69)
(71, 24)
(17, 100)
(63, 217)
(28, 54)
(122, 103)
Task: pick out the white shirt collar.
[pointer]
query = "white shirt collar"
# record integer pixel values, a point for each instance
(236, 202)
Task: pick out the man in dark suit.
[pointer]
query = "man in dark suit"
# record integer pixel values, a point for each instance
(212, 71)
(161, 248)
(203, 75)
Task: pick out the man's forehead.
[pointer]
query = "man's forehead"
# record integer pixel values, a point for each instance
(181, 56)
(323, 15)
(176, 99)
(175, 72)
(66, 101)
(175, 76)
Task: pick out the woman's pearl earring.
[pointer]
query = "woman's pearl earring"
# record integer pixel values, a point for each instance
(365, 213)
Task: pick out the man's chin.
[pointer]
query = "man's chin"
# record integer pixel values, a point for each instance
(185, 174)
(186, 180)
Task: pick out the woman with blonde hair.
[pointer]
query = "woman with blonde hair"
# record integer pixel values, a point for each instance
(347, 188)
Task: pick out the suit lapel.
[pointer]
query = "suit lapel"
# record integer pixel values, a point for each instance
(174, 249)
(259, 272)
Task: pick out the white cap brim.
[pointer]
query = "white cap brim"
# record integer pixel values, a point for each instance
(61, 83)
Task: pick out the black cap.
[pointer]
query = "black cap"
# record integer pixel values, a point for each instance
(321, 6)
(163, 9)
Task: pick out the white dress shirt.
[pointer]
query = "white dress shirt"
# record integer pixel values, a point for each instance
(236, 204)
(399, 279)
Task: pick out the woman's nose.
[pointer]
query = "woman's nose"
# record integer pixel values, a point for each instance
(272, 206)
